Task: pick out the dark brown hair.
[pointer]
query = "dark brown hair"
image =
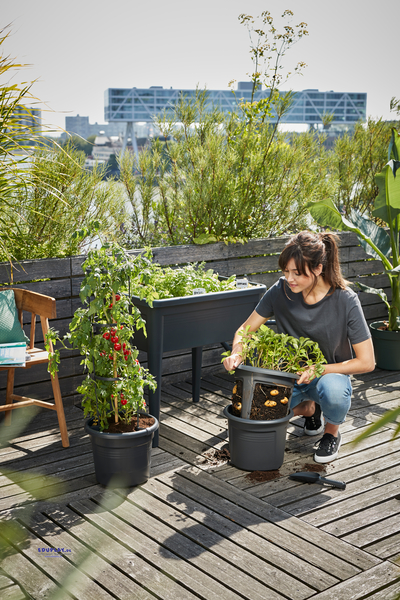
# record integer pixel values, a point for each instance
(309, 249)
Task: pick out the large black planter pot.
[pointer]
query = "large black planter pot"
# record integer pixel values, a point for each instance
(386, 346)
(121, 459)
(257, 445)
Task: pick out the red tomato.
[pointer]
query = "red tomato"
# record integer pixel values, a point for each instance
(110, 356)
(117, 347)
(110, 305)
(123, 402)
(112, 331)
(106, 335)
(117, 297)
(122, 396)
(115, 339)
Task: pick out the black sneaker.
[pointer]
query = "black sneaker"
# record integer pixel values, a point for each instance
(314, 425)
(328, 448)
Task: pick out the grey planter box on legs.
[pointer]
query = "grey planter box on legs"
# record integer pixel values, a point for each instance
(191, 322)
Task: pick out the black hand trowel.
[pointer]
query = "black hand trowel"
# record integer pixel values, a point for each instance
(307, 477)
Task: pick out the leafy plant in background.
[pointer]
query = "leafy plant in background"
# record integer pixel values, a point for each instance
(45, 193)
(15, 142)
(228, 177)
(377, 241)
(62, 197)
(280, 352)
(357, 157)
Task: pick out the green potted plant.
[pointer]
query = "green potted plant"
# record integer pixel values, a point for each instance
(260, 411)
(382, 243)
(103, 330)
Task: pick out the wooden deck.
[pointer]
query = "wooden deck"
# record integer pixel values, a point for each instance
(200, 528)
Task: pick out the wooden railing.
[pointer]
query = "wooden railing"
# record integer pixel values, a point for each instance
(258, 259)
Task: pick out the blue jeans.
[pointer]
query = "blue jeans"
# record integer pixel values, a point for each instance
(331, 391)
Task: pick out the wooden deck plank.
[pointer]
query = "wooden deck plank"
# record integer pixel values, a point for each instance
(200, 523)
(289, 528)
(388, 593)
(202, 409)
(86, 558)
(363, 515)
(388, 548)
(375, 532)
(36, 583)
(191, 430)
(145, 547)
(184, 388)
(13, 593)
(191, 545)
(212, 425)
(56, 568)
(363, 585)
(360, 478)
(197, 507)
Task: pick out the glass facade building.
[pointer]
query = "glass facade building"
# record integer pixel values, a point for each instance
(142, 104)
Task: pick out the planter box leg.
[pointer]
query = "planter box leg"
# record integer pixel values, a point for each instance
(197, 354)
(154, 357)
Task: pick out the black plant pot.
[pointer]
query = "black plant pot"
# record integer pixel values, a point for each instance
(256, 445)
(386, 347)
(121, 459)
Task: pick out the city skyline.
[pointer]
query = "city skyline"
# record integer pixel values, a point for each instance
(79, 52)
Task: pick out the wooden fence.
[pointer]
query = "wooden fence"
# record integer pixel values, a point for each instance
(258, 259)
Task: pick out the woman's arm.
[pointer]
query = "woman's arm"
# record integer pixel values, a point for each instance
(253, 322)
(363, 362)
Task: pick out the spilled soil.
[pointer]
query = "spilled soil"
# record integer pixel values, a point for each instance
(216, 457)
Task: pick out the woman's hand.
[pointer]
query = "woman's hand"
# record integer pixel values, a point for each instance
(231, 362)
(306, 376)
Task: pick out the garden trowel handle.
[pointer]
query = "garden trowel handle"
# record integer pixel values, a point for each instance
(338, 484)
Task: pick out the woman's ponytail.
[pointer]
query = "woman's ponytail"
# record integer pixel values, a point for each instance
(332, 272)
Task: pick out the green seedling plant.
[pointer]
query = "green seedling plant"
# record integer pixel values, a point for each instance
(157, 283)
(280, 352)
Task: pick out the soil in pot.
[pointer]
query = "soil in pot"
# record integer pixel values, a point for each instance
(120, 427)
(269, 401)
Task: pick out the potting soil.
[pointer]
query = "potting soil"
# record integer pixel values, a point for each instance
(120, 427)
(265, 406)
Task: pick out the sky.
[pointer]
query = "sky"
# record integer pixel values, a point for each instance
(78, 49)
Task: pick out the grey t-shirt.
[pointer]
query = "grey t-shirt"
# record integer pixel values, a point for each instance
(336, 322)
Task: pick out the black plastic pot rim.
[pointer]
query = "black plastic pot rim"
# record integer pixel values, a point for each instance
(376, 324)
(229, 415)
(115, 436)
(267, 372)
